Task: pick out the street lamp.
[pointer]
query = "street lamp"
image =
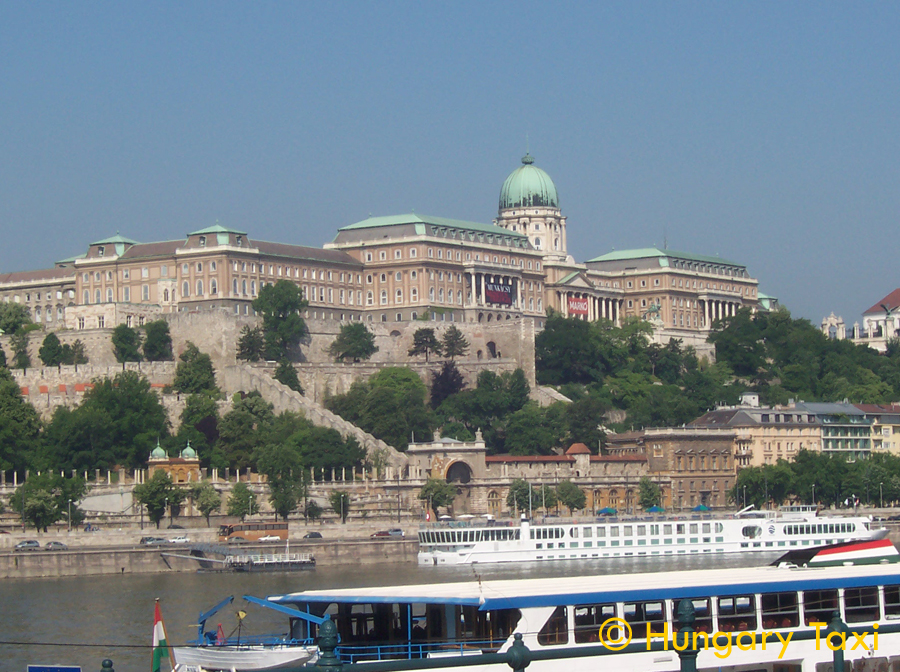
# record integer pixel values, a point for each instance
(69, 525)
(167, 509)
(814, 494)
(745, 496)
(398, 495)
(881, 494)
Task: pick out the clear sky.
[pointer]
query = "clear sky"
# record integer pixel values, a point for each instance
(764, 132)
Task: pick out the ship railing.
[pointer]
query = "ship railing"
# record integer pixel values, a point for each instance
(251, 640)
(358, 653)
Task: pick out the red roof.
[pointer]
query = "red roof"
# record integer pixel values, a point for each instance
(528, 458)
(578, 449)
(892, 301)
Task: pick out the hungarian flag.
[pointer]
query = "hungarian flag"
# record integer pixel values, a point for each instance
(160, 646)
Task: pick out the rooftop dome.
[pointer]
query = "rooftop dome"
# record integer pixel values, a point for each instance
(158, 453)
(188, 453)
(528, 186)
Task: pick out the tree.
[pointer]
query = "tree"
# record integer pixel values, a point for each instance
(280, 306)
(312, 511)
(437, 493)
(200, 426)
(242, 501)
(46, 499)
(74, 354)
(340, 504)
(20, 426)
(285, 476)
(649, 493)
(453, 343)
(424, 342)
(2, 358)
(157, 342)
(195, 372)
(19, 344)
(243, 429)
(251, 344)
(206, 499)
(583, 419)
(13, 316)
(570, 496)
(355, 342)
(158, 494)
(286, 374)
(447, 382)
(51, 351)
(126, 344)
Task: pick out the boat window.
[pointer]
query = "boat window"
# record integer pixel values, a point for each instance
(693, 528)
(706, 528)
(573, 532)
(556, 629)
(818, 605)
(589, 618)
(614, 531)
(702, 612)
(779, 610)
(601, 531)
(752, 532)
(861, 604)
(737, 612)
(627, 531)
(892, 601)
(719, 528)
(641, 615)
(679, 528)
(587, 532)
(667, 529)
(654, 530)
(642, 530)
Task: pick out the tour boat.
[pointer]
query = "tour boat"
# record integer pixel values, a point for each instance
(779, 610)
(747, 531)
(212, 650)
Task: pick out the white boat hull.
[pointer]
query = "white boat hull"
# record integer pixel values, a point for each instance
(241, 658)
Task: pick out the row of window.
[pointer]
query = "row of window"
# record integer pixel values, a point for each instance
(16, 298)
(413, 253)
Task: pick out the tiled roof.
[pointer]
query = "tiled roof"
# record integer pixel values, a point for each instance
(892, 301)
(578, 449)
(413, 218)
(164, 248)
(528, 458)
(649, 252)
(300, 252)
(33, 276)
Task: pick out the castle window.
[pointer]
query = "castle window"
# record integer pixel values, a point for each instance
(202, 241)
(239, 240)
(383, 277)
(109, 294)
(398, 297)
(413, 252)
(212, 265)
(398, 276)
(199, 267)
(97, 296)
(86, 297)
(369, 298)
(414, 294)
(397, 254)
(244, 287)
(382, 255)
(253, 287)
(368, 256)
(101, 251)
(383, 297)
(185, 289)
(145, 292)
(213, 286)
(126, 294)
(369, 279)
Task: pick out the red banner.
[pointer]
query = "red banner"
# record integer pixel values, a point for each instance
(578, 306)
(497, 293)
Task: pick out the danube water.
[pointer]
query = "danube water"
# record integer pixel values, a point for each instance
(81, 621)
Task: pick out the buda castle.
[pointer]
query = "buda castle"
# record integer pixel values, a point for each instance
(397, 268)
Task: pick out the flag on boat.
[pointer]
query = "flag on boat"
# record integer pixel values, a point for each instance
(160, 646)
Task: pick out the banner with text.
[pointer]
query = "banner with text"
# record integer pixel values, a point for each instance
(578, 306)
(498, 293)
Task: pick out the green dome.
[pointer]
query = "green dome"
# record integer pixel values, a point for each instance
(158, 453)
(528, 186)
(188, 453)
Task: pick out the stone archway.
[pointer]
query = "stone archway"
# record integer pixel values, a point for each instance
(459, 472)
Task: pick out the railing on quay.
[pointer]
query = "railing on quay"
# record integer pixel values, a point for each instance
(519, 656)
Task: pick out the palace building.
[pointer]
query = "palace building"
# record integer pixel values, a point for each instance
(396, 268)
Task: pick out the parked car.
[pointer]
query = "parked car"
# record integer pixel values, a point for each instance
(181, 539)
(173, 526)
(153, 541)
(56, 546)
(393, 532)
(270, 537)
(312, 535)
(28, 545)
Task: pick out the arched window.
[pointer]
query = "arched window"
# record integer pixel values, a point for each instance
(537, 243)
(97, 296)
(398, 298)
(441, 295)
(234, 286)
(86, 297)
(199, 287)
(37, 313)
(165, 295)
(244, 287)
(109, 294)
(459, 297)
(431, 293)
(185, 289)
(383, 297)
(213, 286)
(253, 287)
(414, 294)
(369, 299)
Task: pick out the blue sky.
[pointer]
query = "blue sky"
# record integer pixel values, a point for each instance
(766, 133)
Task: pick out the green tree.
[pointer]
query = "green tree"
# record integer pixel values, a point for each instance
(438, 493)
(195, 372)
(570, 496)
(286, 374)
(159, 494)
(20, 427)
(280, 306)
(75, 353)
(285, 476)
(46, 499)
(453, 343)
(354, 342)
(340, 504)
(19, 344)
(565, 352)
(199, 425)
(242, 501)
(51, 351)
(520, 495)
(649, 493)
(251, 344)
(445, 383)
(3, 364)
(244, 429)
(424, 342)
(312, 511)
(126, 344)
(13, 316)
(206, 499)
(528, 432)
(157, 342)
(583, 420)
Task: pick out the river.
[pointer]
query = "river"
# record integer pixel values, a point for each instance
(81, 621)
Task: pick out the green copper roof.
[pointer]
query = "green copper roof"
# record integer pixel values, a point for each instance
(158, 453)
(528, 186)
(216, 228)
(648, 252)
(115, 239)
(70, 260)
(422, 221)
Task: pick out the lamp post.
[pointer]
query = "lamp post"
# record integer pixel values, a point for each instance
(398, 495)
(881, 494)
(167, 509)
(814, 494)
(69, 519)
(23, 506)
(745, 496)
